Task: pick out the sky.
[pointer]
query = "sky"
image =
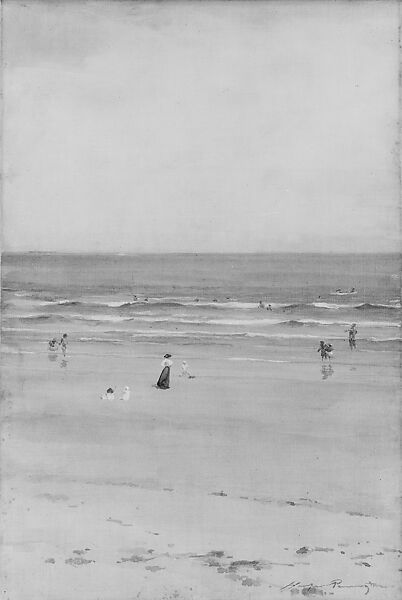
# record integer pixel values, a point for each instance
(200, 126)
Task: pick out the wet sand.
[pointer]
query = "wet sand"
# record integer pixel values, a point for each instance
(256, 479)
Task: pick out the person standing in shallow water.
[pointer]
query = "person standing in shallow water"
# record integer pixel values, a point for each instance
(63, 344)
(352, 336)
(322, 350)
(163, 382)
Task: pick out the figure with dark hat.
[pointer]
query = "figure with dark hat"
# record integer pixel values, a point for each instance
(164, 378)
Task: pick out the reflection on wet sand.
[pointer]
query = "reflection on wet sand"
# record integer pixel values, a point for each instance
(327, 371)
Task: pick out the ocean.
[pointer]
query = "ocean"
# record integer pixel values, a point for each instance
(201, 300)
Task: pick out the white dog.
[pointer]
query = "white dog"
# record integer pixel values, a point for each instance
(126, 394)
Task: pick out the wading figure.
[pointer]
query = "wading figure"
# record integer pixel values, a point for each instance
(329, 351)
(63, 344)
(163, 382)
(323, 350)
(352, 336)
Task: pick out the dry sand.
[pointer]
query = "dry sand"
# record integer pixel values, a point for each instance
(255, 480)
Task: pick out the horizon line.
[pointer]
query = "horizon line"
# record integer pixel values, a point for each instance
(171, 253)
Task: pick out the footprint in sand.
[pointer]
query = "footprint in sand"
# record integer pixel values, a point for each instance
(78, 561)
(54, 497)
(134, 558)
(119, 522)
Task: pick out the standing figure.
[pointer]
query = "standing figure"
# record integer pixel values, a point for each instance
(163, 382)
(63, 344)
(352, 336)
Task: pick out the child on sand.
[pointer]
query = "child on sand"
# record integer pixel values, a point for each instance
(53, 345)
(126, 394)
(109, 395)
(184, 371)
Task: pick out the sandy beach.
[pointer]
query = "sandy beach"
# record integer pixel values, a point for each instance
(257, 479)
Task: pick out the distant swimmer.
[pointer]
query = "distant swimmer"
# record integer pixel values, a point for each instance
(185, 371)
(163, 382)
(53, 345)
(340, 292)
(63, 344)
(126, 394)
(215, 300)
(196, 299)
(109, 394)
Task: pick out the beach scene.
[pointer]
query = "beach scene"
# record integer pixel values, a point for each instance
(269, 473)
(200, 352)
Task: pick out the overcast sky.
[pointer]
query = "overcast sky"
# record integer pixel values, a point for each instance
(205, 126)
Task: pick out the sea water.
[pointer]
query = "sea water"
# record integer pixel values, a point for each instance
(202, 299)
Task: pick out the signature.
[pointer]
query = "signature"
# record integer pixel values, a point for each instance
(334, 584)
